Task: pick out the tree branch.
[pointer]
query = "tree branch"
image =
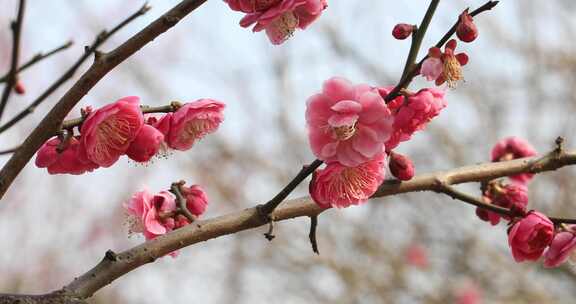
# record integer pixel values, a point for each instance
(16, 27)
(39, 57)
(109, 270)
(102, 66)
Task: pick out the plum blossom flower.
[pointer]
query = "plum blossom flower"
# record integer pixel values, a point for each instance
(340, 186)
(279, 19)
(196, 199)
(192, 122)
(511, 148)
(67, 161)
(511, 196)
(107, 132)
(150, 214)
(146, 144)
(466, 30)
(347, 123)
(444, 67)
(413, 116)
(561, 248)
(401, 166)
(530, 236)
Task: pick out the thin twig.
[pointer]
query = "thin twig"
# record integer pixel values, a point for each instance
(88, 51)
(312, 234)
(9, 151)
(405, 81)
(39, 57)
(301, 176)
(417, 38)
(469, 199)
(176, 189)
(16, 27)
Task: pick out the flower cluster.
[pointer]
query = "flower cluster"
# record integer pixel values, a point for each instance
(157, 214)
(279, 18)
(120, 128)
(352, 129)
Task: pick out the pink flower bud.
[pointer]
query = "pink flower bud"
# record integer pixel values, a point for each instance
(19, 88)
(402, 31)
(530, 236)
(146, 144)
(401, 166)
(196, 199)
(466, 29)
(559, 251)
(65, 162)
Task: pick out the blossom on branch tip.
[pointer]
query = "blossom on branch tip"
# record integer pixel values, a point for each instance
(511, 148)
(347, 123)
(279, 18)
(466, 30)
(529, 237)
(192, 122)
(67, 161)
(107, 132)
(419, 109)
(146, 144)
(444, 67)
(561, 248)
(340, 186)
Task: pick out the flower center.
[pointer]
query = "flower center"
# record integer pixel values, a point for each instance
(284, 26)
(112, 134)
(541, 240)
(452, 71)
(351, 183)
(196, 129)
(343, 133)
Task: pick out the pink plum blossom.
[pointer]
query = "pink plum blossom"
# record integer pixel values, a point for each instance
(192, 122)
(511, 196)
(444, 67)
(401, 166)
(196, 199)
(347, 123)
(251, 6)
(146, 144)
(530, 236)
(413, 116)
(341, 186)
(561, 248)
(107, 132)
(512, 148)
(67, 161)
(279, 19)
(150, 214)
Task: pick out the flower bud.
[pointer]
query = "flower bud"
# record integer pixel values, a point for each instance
(401, 166)
(19, 88)
(466, 29)
(402, 31)
(146, 144)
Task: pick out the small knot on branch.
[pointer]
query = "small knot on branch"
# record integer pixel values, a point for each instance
(110, 256)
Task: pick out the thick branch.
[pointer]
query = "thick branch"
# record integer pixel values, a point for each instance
(16, 27)
(200, 231)
(37, 58)
(102, 66)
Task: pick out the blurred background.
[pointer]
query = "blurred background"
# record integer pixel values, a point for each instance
(410, 248)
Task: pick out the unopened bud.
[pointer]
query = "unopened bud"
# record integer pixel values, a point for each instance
(19, 88)
(401, 166)
(402, 31)
(466, 29)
